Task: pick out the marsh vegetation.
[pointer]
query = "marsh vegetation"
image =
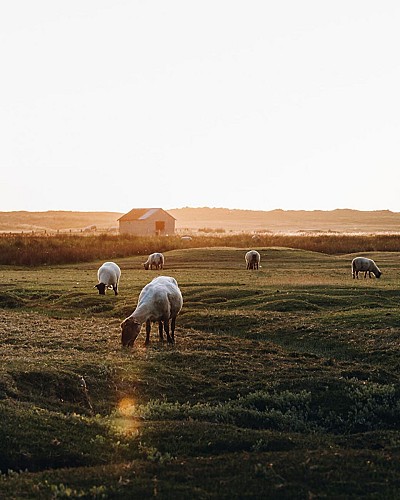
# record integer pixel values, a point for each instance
(33, 250)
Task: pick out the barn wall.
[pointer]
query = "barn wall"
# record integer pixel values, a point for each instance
(132, 227)
(147, 227)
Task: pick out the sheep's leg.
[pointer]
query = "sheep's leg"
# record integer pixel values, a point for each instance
(148, 328)
(115, 288)
(166, 328)
(365, 274)
(173, 329)
(160, 331)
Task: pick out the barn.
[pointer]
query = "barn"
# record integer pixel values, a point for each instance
(147, 222)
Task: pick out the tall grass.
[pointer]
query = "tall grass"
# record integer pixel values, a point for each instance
(31, 250)
(66, 249)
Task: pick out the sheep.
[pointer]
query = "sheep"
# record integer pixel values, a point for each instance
(161, 301)
(108, 276)
(154, 259)
(252, 259)
(363, 264)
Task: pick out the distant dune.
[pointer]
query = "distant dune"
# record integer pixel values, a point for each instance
(57, 220)
(192, 219)
(287, 220)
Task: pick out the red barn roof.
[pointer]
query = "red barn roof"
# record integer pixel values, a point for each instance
(142, 214)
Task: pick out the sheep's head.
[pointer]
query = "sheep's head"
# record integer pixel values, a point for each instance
(378, 274)
(130, 330)
(146, 265)
(101, 287)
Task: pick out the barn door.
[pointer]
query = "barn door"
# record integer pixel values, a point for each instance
(160, 227)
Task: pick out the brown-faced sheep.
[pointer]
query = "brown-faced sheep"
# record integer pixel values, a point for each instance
(155, 259)
(108, 276)
(364, 265)
(161, 301)
(252, 259)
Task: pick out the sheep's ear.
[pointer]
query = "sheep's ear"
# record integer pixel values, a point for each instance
(129, 321)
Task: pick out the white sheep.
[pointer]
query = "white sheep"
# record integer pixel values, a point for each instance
(154, 259)
(365, 265)
(161, 301)
(108, 276)
(252, 259)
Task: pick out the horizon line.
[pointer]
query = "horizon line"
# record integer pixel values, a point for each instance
(208, 208)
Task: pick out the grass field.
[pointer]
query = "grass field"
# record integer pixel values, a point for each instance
(283, 382)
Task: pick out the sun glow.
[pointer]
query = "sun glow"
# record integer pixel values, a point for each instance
(263, 134)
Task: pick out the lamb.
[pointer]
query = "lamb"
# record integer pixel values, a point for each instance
(154, 259)
(161, 301)
(252, 259)
(108, 276)
(363, 264)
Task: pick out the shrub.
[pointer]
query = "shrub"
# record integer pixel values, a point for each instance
(365, 406)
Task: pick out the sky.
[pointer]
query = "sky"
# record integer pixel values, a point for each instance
(109, 105)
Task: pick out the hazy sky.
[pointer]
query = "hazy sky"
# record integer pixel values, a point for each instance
(107, 105)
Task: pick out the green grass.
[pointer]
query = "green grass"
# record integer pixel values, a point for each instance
(283, 382)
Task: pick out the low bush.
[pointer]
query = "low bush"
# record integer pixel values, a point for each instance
(363, 407)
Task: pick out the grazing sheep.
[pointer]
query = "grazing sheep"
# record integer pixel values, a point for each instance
(161, 301)
(154, 259)
(252, 259)
(365, 265)
(108, 276)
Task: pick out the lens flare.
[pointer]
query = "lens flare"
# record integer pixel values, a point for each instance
(125, 421)
(126, 407)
